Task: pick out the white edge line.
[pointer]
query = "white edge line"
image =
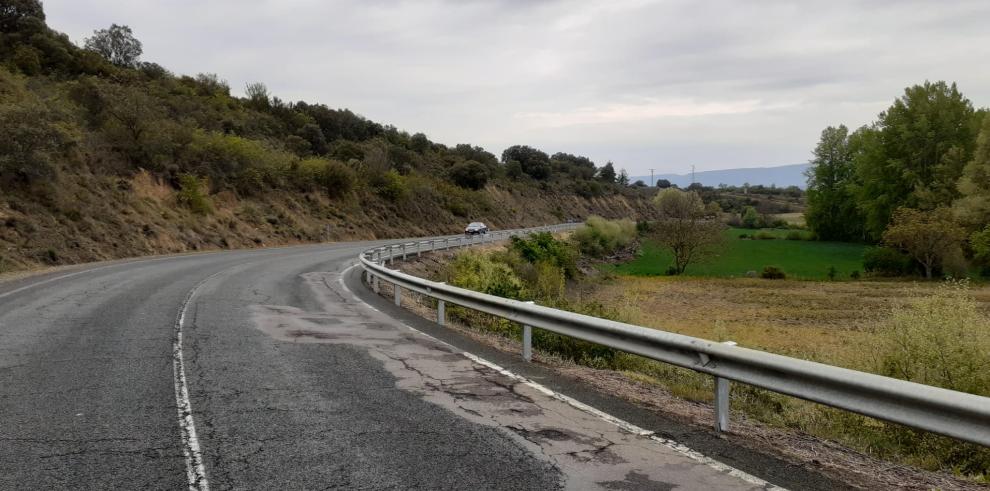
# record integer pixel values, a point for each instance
(621, 423)
(195, 470)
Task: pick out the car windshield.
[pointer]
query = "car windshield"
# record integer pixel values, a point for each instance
(476, 224)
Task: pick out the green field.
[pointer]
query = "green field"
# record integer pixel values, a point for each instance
(801, 259)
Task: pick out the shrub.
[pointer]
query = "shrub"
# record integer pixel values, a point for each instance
(943, 340)
(764, 235)
(389, 185)
(600, 237)
(795, 235)
(855, 274)
(886, 261)
(831, 273)
(743, 236)
(543, 247)
(480, 273)
(750, 218)
(772, 273)
(469, 174)
(192, 196)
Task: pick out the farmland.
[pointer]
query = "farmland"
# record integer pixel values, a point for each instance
(799, 259)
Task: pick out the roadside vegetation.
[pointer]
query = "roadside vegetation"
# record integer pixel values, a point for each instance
(910, 331)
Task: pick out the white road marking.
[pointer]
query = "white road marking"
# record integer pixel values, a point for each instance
(195, 470)
(621, 423)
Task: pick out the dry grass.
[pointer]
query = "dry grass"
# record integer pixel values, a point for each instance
(821, 321)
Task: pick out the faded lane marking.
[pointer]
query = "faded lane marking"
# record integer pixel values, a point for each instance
(195, 470)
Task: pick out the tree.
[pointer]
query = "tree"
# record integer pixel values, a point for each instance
(469, 174)
(980, 242)
(623, 178)
(832, 211)
(663, 183)
(419, 143)
(607, 173)
(14, 13)
(117, 44)
(913, 155)
(973, 208)
(257, 95)
(684, 229)
(33, 135)
(534, 162)
(750, 217)
(929, 237)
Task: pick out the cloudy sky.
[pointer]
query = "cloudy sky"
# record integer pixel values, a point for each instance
(646, 84)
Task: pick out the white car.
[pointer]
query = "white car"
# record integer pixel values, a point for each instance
(475, 228)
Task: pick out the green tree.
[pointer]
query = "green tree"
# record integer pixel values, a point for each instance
(117, 44)
(469, 174)
(832, 211)
(750, 217)
(684, 229)
(913, 155)
(534, 163)
(973, 208)
(33, 134)
(607, 173)
(929, 237)
(623, 178)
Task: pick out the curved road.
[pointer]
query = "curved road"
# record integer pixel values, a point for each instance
(293, 382)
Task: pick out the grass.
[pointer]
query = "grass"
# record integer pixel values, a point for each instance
(800, 259)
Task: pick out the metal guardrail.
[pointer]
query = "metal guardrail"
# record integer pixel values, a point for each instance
(956, 414)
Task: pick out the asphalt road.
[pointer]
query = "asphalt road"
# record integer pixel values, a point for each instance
(293, 383)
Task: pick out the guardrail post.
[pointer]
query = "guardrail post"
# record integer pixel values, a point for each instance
(722, 401)
(391, 254)
(398, 294)
(419, 248)
(441, 314)
(527, 343)
(403, 252)
(376, 285)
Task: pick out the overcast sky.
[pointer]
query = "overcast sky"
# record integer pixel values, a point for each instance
(663, 84)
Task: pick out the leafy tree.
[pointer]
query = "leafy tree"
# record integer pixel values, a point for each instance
(832, 211)
(600, 237)
(607, 173)
(469, 174)
(533, 162)
(576, 166)
(683, 228)
(33, 134)
(750, 218)
(663, 183)
(16, 14)
(929, 237)
(913, 155)
(257, 95)
(623, 178)
(980, 242)
(117, 44)
(419, 143)
(973, 208)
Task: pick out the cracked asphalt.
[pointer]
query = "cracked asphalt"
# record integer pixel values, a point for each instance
(294, 384)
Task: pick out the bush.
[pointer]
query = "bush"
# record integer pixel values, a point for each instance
(750, 218)
(885, 261)
(795, 235)
(772, 273)
(600, 237)
(764, 235)
(192, 196)
(743, 236)
(480, 273)
(831, 273)
(854, 275)
(469, 174)
(389, 185)
(543, 247)
(942, 340)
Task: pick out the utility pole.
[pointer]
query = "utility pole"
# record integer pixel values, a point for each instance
(692, 174)
(651, 178)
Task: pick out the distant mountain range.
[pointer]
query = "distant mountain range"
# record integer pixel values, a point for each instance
(782, 176)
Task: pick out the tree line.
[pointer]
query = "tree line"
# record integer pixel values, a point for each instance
(917, 179)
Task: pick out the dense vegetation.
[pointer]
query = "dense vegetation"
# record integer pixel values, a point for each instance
(80, 124)
(930, 153)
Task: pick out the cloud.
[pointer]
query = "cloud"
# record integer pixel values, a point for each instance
(628, 113)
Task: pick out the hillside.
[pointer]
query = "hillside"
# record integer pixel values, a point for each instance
(106, 159)
(780, 176)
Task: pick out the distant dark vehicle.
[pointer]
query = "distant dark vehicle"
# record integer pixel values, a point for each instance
(475, 228)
